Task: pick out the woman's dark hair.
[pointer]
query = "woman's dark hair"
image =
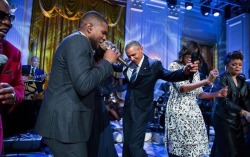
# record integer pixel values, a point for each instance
(187, 49)
(233, 55)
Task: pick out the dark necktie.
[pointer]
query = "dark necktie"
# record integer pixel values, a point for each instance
(134, 74)
(33, 71)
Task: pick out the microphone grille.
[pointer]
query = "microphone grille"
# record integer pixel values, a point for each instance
(104, 45)
(3, 59)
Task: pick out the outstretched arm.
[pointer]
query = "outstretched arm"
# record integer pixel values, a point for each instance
(192, 86)
(220, 93)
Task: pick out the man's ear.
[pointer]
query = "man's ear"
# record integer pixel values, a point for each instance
(89, 27)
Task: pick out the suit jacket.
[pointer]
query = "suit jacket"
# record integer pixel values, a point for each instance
(38, 72)
(11, 73)
(140, 93)
(237, 98)
(66, 110)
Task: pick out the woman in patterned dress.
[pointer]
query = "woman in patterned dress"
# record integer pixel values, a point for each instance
(186, 134)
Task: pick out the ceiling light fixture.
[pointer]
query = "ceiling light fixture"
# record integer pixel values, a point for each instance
(216, 12)
(205, 10)
(172, 4)
(188, 5)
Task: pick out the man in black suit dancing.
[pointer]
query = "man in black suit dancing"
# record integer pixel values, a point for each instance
(141, 77)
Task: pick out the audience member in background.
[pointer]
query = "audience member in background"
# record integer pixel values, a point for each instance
(141, 77)
(101, 141)
(11, 84)
(185, 132)
(65, 117)
(229, 111)
(33, 73)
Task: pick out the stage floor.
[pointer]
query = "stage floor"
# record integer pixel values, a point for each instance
(153, 150)
(154, 144)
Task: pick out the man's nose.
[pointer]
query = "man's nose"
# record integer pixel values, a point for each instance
(104, 37)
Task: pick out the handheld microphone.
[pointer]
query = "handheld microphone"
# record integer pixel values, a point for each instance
(3, 60)
(194, 57)
(106, 45)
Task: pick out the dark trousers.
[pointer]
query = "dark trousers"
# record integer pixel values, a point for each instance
(60, 149)
(229, 139)
(134, 135)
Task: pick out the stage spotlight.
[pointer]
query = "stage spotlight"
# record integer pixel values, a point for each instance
(216, 12)
(205, 10)
(172, 4)
(188, 5)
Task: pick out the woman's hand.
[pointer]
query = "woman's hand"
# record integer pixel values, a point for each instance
(212, 75)
(191, 68)
(222, 92)
(246, 114)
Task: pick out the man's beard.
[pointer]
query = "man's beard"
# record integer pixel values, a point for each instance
(94, 44)
(99, 52)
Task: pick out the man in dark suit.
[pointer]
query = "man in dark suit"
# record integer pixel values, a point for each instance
(138, 107)
(34, 74)
(65, 116)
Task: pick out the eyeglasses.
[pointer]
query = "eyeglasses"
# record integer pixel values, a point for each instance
(3, 15)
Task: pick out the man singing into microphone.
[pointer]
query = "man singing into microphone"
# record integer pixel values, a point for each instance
(11, 84)
(65, 117)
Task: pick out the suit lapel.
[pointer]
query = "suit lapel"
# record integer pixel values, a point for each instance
(125, 73)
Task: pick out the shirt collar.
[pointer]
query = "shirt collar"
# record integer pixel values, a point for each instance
(141, 61)
(82, 33)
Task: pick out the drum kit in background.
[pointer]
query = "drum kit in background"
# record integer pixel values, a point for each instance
(157, 124)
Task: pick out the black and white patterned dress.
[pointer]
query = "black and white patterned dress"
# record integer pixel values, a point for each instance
(185, 128)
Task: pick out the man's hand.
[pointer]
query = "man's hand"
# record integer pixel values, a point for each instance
(7, 94)
(111, 56)
(191, 67)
